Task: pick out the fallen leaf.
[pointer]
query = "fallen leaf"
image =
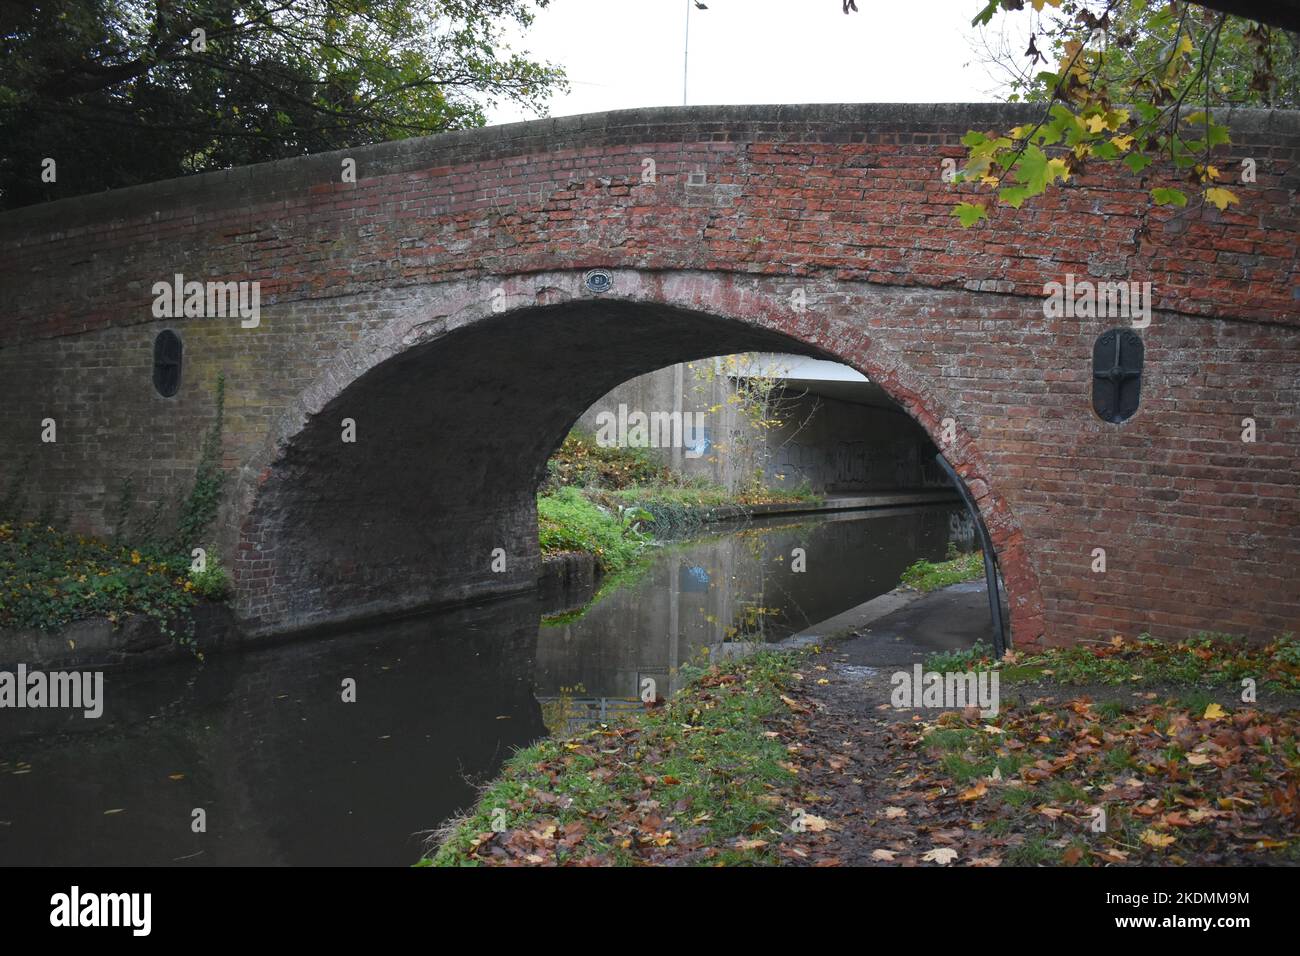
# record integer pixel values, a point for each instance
(975, 792)
(1155, 840)
(941, 855)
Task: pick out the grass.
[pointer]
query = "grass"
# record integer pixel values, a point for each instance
(569, 521)
(691, 781)
(1200, 663)
(1203, 661)
(930, 576)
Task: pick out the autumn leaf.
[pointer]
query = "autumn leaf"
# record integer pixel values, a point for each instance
(794, 705)
(1220, 197)
(885, 855)
(1156, 840)
(969, 213)
(974, 793)
(941, 854)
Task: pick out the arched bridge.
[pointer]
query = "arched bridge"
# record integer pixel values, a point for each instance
(441, 303)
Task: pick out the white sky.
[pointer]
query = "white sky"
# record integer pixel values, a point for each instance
(628, 53)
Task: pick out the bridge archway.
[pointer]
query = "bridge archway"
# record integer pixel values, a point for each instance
(459, 399)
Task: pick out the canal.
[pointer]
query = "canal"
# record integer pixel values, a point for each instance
(260, 747)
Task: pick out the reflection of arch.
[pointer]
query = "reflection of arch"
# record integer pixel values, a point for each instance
(463, 394)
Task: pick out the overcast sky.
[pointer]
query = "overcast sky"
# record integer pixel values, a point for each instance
(628, 53)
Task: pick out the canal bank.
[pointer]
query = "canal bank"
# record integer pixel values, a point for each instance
(803, 757)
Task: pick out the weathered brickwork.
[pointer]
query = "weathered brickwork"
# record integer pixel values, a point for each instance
(439, 302)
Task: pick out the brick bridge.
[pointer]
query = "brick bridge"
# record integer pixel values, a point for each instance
(439, 302)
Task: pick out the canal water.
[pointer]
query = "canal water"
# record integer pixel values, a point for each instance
(285, 772)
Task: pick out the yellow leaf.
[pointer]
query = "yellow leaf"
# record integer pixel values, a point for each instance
(1214, 712)
(1122, 143)
(1220, 197)
(1157, 841)
(1095, 124)
(974, 793)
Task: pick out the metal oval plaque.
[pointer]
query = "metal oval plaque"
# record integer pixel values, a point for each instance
(598, 280)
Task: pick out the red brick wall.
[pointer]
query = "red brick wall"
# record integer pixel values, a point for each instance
(380, 283)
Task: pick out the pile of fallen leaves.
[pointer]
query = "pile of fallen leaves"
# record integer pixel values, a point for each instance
(581, 462)
(1077, 785)
(697, 780)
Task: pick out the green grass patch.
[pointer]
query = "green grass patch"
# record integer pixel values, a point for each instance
(930, 576)
(1204, 661)
(569, 521)
(691, 781)
(979, 656)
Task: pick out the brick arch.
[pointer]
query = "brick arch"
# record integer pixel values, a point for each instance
(303, 557)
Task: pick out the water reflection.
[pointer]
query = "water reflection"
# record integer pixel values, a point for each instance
(287, 772)
(698, 601)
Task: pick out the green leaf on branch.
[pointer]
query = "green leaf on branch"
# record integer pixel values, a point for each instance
(969, 213)
(1137, 161)
(1169, 197)
(1014, 196)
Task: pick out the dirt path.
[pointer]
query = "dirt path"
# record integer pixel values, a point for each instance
(872, 795)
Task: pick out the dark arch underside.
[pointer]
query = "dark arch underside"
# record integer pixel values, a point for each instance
(452, 439)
